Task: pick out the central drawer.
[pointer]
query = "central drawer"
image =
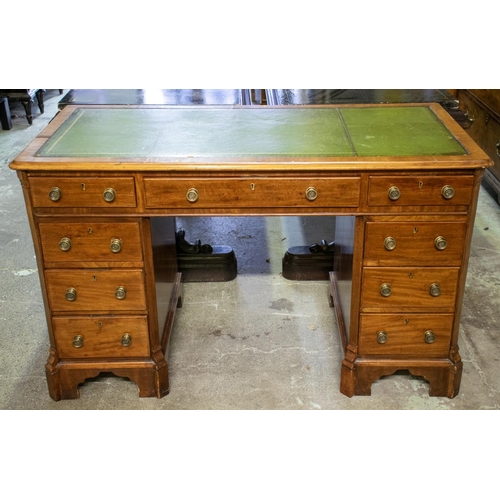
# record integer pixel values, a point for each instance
(409, 289)
(251, 192)
(100, 337)
(90, 241)
(96, 290)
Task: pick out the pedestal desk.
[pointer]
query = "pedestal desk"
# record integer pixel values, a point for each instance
(102, 186)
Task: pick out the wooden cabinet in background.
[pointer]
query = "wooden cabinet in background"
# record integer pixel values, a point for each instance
(483, 110)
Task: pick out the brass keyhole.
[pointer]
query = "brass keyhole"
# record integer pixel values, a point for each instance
(420, 184)
(83, 186)
(252, 186)
(89, 230)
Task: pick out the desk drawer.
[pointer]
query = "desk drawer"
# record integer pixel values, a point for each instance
(99, 337)
(64, 192)
(420, 190)
(415, 243)
(90, 241)
(409, 289)
(251, 192)
(96, 290)
(418, 335)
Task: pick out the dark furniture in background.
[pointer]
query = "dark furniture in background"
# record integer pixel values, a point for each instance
(359, 96)
(26, 97)
(482, 108)
(5, 119)
(156, 96)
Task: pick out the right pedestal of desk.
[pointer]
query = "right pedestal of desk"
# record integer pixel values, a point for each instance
(399, 277)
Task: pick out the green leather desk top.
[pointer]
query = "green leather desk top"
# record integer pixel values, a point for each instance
(195, 132)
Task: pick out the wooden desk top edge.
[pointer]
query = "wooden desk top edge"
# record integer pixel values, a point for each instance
(27, 161)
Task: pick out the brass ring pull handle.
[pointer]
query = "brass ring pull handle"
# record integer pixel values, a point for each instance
(115, 245)
(70, 295)
(385, 289)
(65, 244)
(390, 243)
(126, 339)
(77, 341)
(440, 243)
(382, 337)
(448, 192)
(120, 293)
(394, 193)
(429, 337)
(109, 195)
(435, 290)
(311, 193)
(55, 194)
(192, 195)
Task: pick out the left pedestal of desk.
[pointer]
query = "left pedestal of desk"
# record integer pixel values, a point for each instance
(109, 281)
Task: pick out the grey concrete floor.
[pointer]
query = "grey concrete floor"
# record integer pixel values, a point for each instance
(257, 342)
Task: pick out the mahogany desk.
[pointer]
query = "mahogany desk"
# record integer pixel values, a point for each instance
(103, 184)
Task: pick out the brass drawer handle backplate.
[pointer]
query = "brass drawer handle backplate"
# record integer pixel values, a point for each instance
(126, 339)
(390, 243)
(77, 341)
(448, 192)
(55, 194)
(109, 195)
(440, 243)
(429, 337)
(115, 245)
(435, 290)
(70, 294)
(382, 337)
(192, 195)
(311, 193)
(394, 193)
(65, 244)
